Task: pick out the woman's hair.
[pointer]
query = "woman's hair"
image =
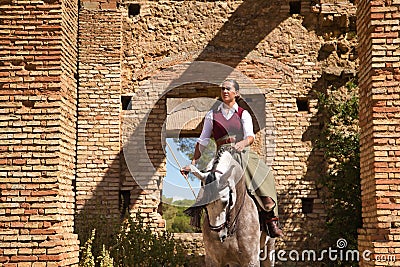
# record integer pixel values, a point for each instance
(234, 82)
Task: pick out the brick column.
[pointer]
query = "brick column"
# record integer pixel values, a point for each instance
(98, 166)
(379, 76)
(37, 141)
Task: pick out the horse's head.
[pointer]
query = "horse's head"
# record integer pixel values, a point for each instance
(219, 189)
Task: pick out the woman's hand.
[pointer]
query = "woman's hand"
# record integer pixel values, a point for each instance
(185, 171)
(239, 146)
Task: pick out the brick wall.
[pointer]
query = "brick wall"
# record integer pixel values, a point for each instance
(379, 121)
(193, 245)
(120, 52)
(38, 116)
(98, 139)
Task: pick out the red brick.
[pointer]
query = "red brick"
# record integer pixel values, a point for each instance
(43, 231)
(19, 161)
(23, 258)
(4, 259)
(51, 257)
(44, 193)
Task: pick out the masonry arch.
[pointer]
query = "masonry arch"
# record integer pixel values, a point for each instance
(144, 133)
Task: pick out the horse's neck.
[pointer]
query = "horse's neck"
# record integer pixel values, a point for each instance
(223, 164)
(223, 160)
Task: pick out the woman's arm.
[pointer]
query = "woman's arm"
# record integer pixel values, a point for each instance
(204, 138)
(239, 146)
(202, 142)
(247, 132)
(197, 153)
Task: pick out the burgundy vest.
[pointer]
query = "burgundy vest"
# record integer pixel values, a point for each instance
(222, 126)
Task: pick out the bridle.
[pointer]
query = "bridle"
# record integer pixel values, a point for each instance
(227, 213)
(228, 224)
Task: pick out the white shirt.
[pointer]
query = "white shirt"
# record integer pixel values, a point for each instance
(247, 123)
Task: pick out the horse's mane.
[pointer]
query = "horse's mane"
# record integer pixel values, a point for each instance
(211, 177)
(220, 151)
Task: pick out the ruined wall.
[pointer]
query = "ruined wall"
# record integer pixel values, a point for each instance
(98, 142)
(38, 116)
(379, 121)
(287, 55)
(288, 48)
(193, 245)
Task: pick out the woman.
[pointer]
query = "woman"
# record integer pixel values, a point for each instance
(230, 124)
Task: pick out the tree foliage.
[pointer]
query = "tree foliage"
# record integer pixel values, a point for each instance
(134, 244)
(176, 220)
(339, 140)
(187, 145)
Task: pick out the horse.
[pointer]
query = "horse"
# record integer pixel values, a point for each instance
(231, 229)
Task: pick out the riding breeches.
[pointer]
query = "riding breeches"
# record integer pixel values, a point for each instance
(259, 176)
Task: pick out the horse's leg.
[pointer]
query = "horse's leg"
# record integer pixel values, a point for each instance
(267, 245)
(263, 248)
(250, 251)
(271, 252)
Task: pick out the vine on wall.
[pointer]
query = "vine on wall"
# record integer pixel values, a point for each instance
(339, 140)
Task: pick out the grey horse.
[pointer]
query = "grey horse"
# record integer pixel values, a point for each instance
(231, 229)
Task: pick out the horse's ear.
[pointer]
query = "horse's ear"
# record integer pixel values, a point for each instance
(201, 175)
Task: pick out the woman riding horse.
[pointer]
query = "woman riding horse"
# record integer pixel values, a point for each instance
(231, 229)
(232, 125)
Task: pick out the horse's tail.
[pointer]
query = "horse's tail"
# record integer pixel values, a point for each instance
(195, 213)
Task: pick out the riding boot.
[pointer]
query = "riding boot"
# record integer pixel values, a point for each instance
(268, 203)
(272, 223)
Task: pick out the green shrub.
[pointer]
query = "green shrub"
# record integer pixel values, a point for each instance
(138, 245)
(87, 258)
(105, 259)
(134, 244)
(106, 226)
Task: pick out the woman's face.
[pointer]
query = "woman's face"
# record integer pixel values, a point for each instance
(228, 92)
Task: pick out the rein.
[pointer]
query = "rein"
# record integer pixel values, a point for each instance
(232, 230)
